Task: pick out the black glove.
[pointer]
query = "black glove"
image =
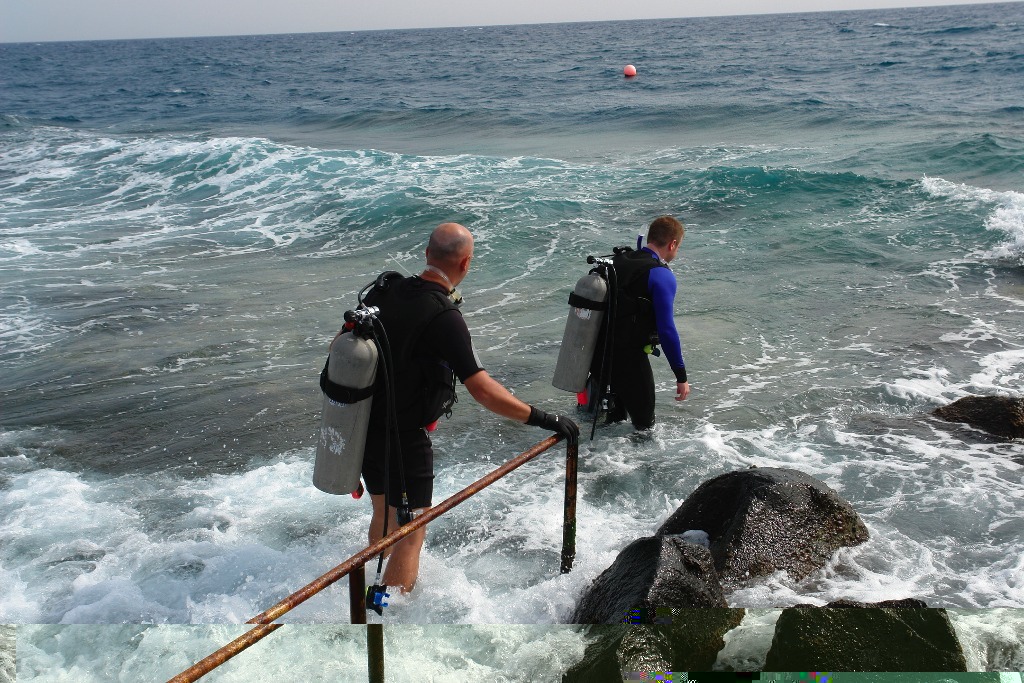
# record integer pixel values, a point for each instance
(559, 424)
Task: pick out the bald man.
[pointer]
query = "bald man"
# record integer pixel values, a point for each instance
(430, 345)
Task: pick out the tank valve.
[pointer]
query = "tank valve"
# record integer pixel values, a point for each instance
(361, 314)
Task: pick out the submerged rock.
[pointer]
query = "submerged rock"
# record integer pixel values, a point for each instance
(600, 662)
(899, 635)
(696, 636)
(645, 648)
(999, 415)
(682, 640)
(651, 573)
(762, 520)
(668, 593)
(686, 639)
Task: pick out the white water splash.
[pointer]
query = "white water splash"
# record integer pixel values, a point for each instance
(1007, 214)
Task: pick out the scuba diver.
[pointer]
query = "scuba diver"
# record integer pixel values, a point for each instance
(429, 345)
(645, 290)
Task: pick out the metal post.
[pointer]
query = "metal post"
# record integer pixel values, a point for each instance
(357, 595)
(375, 652)
(569, 518)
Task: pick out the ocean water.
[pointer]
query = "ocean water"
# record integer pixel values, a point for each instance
(183, 223)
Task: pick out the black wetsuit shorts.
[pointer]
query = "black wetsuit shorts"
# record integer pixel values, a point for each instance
(417, 461)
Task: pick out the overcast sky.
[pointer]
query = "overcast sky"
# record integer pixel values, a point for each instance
(32, 20)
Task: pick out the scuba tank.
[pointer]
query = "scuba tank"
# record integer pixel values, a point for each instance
(588, 303)
(347, 382)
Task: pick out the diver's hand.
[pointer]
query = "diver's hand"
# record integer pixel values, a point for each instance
(559, 424)
(682, 390)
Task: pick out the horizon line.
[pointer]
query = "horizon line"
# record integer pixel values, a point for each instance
(498, 25)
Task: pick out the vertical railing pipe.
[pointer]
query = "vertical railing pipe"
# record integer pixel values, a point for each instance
(569, 507)
(357, 595)
(375, 652)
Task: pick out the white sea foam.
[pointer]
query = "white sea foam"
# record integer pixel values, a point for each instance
(1000, 372)
(227, 558)
(978, 331)
(155, 183)
(112, 567)
(931, 384)
(993, 640)
(746, 646)
(1007, 215)
(16, 248)
(502, 653)
(433, 654)
(211, 553)
(1009, 218)
(24, 330)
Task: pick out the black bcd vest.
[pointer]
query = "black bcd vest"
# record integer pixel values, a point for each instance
(424, 384)
(635, 324)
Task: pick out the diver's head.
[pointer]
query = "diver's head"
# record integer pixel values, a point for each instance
(664, 235)
(451, 249)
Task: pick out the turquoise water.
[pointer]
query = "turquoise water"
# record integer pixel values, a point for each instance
(182, 224)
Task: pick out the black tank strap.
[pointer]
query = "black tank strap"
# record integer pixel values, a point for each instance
(339, 393)
(582, 302)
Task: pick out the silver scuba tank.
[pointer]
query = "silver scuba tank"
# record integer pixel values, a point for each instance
(351, 368)
(579, 342)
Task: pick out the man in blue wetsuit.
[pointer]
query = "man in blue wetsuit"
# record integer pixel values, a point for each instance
(646, 293)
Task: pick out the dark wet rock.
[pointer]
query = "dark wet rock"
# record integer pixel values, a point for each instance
(899, 635)
(682, 640)
(999, 415)
(651, 573)
(666, 589)
(645, 648)
(600, 662)
(762, 520)
(696, 636)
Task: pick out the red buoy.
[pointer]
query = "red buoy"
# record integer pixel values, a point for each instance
(629, 71)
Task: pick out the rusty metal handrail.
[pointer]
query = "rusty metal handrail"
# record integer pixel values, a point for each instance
(357, 604)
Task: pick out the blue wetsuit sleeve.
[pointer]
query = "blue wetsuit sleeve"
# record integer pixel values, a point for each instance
(662, 285)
